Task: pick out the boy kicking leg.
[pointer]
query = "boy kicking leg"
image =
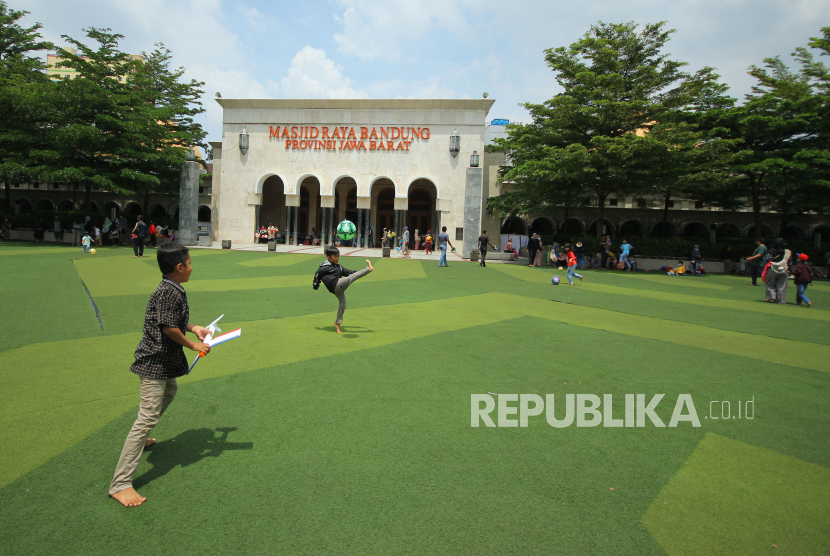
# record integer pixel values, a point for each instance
(340, 291)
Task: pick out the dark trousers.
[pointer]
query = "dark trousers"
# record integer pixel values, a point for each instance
(603, 259)
(756, 272)
(532, 255)
(483, 256)
(138, 246)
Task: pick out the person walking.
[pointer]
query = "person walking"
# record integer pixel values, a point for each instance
(777, 273)
(532, 248)
(624, 251)
(572, 262)
(428, 243)
(77, 228)
(371, 235)
(803, 278)
(540, 251)
(405, 242)
(443, 240)
(122, 228)
(58, 230)
(483, 243)
(758, 259)
(152, 231)
(728, 257)
(139, 235)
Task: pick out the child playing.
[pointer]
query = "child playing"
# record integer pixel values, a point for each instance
(337, 278)
(159, 360)
(86, 242)
(803, 278)
(428, 240)
(680, 271)
(571, 266)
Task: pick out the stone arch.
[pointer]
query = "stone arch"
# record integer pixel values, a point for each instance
(379, 178)
(694, 229)
(766, 232)
(384, 200)
(791, 231)
(633, 228)
(109, 205)
(573, 226)
(345, 189)
(133, 209)
(66, 205)
(822, 229)
(334, 183)
(430, 180)
(157, 210)
(303, 178)
(609, 228)
(514, 225)
(44, 205)
(261, 182)
(204, 213)
(23, 205)
(422, 194)
(664, 229)
(272, 209)
(728, 229)
(537, 225)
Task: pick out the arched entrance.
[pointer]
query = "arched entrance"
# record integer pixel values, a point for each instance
(608, 228)
(157, 211)
(22, 205)
(727, 229)
(132, 209)
(664, 229)
(573, 227)
(421, 212)
(44, 205)
(542, 226)
(695, 230)
(272, 210)
(204, 214)
(632, 228)
(514, 226)
(793, 232)
(386, 209)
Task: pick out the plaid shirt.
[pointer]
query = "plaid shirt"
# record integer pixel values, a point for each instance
(157, 356)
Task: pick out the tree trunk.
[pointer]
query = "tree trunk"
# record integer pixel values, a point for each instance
(8, 188)
(146, 207)
(601, 195)
(87, 199)
(754, 187)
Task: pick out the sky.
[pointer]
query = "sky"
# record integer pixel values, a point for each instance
(419, 48)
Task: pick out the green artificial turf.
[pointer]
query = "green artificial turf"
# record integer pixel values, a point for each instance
(294, 440)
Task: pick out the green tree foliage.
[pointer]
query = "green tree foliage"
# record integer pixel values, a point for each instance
(585, 142)
(22, 87)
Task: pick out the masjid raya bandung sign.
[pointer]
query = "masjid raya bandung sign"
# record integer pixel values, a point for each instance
(348, 138)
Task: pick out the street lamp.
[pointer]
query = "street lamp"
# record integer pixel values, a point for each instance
(243, 141)
(455, 143)
(191, 155)
(474, 160)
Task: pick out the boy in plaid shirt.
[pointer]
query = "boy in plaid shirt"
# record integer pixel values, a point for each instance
(159, 360)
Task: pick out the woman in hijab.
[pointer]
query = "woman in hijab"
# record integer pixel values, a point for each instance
(532, 248)
(776, 277)
(105, 231)
(540, 252)
(696, 258)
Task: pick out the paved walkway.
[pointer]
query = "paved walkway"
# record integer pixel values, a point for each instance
(344, 251)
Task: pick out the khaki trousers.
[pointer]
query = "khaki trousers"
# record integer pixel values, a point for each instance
(156, 395)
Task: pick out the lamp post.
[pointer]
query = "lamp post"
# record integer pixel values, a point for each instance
(243, 141)
(455, 143)
(474, 159)
(191, 155)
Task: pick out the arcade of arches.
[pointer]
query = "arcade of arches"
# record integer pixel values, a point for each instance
(371, 215)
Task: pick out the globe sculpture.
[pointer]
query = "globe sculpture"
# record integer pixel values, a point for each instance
(346, 230)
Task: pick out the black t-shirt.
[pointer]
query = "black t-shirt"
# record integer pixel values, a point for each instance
(483, 242)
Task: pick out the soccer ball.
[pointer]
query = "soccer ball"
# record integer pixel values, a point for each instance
(346, 230)
(560, 268)
(555, 280)
(93, 251)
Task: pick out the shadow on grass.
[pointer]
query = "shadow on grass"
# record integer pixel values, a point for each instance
(186, 449)
(348, 331)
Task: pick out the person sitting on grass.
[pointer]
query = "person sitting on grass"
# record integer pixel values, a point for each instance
(337, 278)
(679, 271)
(159, 360)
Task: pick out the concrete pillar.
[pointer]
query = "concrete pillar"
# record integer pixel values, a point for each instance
(188, 203)
(472, 209)
(817, 240)
(287, 225)
(331, 226)
(296, 217)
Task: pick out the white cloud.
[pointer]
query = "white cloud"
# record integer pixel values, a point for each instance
(375, 28)
(313, 75)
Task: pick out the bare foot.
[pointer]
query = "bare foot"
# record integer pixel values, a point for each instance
(150, 442)
(337, 326)
(129, 497)
(369, 264)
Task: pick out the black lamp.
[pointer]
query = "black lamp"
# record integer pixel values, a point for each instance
(455, 143)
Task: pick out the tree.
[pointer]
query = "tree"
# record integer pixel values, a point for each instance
(171, 105)
(583, 142)
(781, 135)
(22, 90)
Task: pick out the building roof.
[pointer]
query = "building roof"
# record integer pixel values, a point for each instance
(359, 104)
